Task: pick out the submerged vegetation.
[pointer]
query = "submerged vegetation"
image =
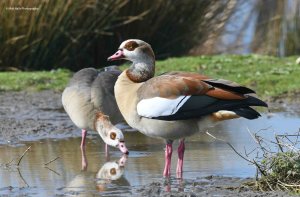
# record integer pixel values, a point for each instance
(268, 76)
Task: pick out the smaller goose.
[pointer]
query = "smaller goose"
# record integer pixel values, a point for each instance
(90, 103)
(176, 104)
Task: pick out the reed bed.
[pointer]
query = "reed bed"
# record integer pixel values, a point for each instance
(57, 34)
(50, 34)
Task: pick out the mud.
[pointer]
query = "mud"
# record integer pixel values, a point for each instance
(32, 116)
(208, 186)
(27, 117)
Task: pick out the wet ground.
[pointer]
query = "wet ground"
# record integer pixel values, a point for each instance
(211, 167)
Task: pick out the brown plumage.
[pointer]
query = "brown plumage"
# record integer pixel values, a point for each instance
(177, 104)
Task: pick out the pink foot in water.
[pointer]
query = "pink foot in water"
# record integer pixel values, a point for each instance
(107, 152)
(83, 137)
(168, 186)
(168, 156)
(84, 162)
(180, 151)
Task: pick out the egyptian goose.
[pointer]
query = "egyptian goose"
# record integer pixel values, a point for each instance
(90, 102)
(175, 105)
(112, 170)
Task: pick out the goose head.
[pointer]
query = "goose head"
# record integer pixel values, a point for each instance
(134, 50)
(110, 134)
(142, 57)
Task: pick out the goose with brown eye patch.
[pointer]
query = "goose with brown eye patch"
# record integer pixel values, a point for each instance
(111, 170)
(90, 103)
(131, 45)
(175, 105)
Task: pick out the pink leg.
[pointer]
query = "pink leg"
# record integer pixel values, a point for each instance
(83, 136)
(180, 151)
(107, 152)
(84, 162)
(168, 186)
(168, 156)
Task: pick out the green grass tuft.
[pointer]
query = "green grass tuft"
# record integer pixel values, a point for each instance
(281, 172)
(34, 81)
(268, 76)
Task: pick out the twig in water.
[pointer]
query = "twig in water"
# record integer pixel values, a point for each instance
(249, 153)
(231, 146)
(253, 137)
(259, 168)
(52, 170)
(296, 142)
(9, 163)
(289, 146)
(293, 143)
(51, 161)
(259, 140)
(22, 178)
(279, 145)
(20, 159)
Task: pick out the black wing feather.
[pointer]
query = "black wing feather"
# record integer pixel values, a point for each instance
(197, 106)
(228, 85)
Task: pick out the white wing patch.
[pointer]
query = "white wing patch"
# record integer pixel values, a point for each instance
(159, 106)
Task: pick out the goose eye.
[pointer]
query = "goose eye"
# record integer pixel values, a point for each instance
(113, 135)
(113, 171)
(131, 45)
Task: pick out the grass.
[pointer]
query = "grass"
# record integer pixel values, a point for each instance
(268, 76)
(34, 81)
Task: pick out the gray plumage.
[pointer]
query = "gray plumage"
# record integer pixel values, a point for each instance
(91, 91)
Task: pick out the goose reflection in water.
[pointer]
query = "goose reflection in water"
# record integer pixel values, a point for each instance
(87, 182)
(110, 171)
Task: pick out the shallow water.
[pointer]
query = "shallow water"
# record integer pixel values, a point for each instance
(204, 156)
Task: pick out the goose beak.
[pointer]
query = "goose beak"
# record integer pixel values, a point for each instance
(122, 160)
(117, 56)
(123, 148)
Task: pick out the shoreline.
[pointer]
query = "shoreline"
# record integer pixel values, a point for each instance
(33, 116)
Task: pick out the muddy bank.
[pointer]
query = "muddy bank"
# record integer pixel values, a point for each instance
(31, 116)
(286, 102)
(206, 186)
